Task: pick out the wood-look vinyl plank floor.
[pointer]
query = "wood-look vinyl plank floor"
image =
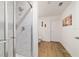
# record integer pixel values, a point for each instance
(52, 49)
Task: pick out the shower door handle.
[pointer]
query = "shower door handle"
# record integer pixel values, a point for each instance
(13, 37)
(2, 41)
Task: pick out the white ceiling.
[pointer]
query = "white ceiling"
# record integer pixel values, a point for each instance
(51, 8)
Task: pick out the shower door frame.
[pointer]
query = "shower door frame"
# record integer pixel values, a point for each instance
(6, 30)
(14, 28)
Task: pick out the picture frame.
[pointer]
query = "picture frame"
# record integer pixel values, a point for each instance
(67, 21)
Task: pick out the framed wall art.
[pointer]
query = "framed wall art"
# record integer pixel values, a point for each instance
(67, 21)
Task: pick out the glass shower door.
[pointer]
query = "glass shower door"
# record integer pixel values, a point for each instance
(10, 26)
(6, 29)
(3, 41)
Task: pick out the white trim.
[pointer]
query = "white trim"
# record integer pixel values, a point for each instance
(35, 29)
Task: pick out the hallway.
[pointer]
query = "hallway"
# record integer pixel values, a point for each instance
(59, 23)
(52, 49)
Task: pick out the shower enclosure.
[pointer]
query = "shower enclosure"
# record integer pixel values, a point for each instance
(6, 29)
(15, 28)
(24, 17)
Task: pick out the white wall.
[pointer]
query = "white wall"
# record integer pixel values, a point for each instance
(70, 32)
(23, 37)
(25, 8)
(35, 29)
